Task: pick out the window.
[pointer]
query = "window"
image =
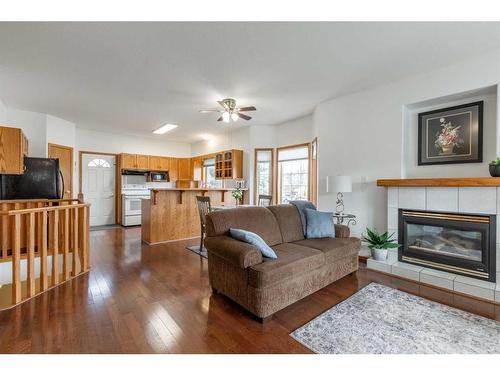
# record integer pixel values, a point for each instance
(209, 174)
(293, 173)
(99, 163)
(263, 172)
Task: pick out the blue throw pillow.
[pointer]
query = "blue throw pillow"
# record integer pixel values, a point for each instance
(253, 239)
(319, 224)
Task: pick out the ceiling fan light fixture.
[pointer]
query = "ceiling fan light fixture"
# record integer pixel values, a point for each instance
(234, 116)
(226, 116)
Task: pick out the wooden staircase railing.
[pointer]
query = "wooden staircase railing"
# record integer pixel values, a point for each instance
(39, 232)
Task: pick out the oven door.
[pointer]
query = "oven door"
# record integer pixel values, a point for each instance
(132, 205)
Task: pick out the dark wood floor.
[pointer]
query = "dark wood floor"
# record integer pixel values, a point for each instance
(156, 299)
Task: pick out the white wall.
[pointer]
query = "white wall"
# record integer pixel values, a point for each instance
(90, 140)
(250, 137)
(3, 113)
(34, 127)
(362, 134)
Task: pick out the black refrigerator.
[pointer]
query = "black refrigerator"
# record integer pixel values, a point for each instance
(42, 179)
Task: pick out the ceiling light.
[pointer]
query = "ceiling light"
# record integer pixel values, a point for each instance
(165, 128)
(226, 116)
(234, 116)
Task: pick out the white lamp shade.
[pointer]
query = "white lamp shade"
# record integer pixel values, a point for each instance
(338, 184)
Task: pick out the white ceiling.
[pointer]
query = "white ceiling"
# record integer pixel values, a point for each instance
(133, 77)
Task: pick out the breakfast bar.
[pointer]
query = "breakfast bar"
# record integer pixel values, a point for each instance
(172, 214)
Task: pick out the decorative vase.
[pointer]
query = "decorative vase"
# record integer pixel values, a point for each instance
(495, 170)
(447, 150)
(379, 254)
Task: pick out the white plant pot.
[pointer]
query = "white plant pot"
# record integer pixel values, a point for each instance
(379, 254)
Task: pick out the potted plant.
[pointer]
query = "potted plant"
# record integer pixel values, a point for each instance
(237, 194)
(379, 243)
(495, 168)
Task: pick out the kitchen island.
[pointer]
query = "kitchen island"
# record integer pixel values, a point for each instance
(172, 213)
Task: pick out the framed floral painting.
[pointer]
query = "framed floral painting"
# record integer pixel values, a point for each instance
(451, 135)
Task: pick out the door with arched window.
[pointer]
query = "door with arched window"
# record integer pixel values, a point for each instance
(98, 185)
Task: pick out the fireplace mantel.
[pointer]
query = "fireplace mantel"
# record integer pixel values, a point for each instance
(458, 181)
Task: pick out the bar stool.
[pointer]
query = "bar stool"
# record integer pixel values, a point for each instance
(204, 208)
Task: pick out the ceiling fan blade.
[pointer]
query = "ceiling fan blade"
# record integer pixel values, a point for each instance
(244, 117)
(250, 108)
(208, 110)
(223, 104)
(219, 119)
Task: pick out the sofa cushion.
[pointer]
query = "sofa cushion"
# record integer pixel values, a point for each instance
(333, 248)
(319, 224)
(254, 219)
(289, 222)
(253, 239)
(292, 260)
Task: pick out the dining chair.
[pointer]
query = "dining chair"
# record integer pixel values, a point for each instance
(265, 200)
(204, 208)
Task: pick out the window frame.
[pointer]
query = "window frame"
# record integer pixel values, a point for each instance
(271, 175)
(277, 172)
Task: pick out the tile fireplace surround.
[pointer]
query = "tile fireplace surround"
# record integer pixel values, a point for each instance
(431, 195)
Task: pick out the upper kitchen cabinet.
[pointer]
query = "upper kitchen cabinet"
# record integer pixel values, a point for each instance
(142, 162)
(184, 171)
(229, 164)
(128, 161)
(13, 149)
(134, 161)
(159, 163)
(173, 169)
(196, 167)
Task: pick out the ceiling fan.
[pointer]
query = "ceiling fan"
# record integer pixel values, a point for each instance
(229, 111)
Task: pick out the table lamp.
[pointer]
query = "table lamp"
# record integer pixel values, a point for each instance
(339, 185)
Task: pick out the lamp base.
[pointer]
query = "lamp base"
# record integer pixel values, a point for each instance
(339, 209)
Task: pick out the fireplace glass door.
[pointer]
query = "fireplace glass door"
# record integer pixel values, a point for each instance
(460, 243)
(439, 240)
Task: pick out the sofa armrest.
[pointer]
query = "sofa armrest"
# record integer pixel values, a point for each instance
(239, 253)
(342, 231)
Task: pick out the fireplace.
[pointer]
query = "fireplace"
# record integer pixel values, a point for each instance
(459, 243)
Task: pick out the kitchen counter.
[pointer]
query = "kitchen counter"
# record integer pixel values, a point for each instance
(172, 213)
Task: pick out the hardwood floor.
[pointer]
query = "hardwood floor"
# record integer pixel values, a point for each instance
(156, 299)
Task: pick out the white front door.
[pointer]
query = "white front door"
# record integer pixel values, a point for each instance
(98, 180)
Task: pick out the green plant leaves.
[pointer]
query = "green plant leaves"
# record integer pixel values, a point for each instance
(379, 240)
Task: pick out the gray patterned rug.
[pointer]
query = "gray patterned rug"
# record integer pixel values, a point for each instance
(379, 319)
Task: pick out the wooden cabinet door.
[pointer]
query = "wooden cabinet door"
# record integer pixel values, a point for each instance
(173, 169)
(196, 166)
(164, 163)
(12, 150)
(184, 169)
(155, 163)
(142, 162)
(128, 161)
(65, 156)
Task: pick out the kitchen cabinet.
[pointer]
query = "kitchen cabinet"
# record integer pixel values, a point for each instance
(134, 161)
(229, 164)
(196, 167)
(173, 169)
(14, 147)
(159, 163)
(142, 162)
(184, 171)
(128, 161)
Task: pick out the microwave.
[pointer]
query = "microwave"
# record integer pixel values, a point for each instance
(159, 177)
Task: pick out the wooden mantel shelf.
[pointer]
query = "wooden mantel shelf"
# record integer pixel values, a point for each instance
(459, 181)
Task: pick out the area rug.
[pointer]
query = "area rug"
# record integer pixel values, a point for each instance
(382, 320)
(196, 249)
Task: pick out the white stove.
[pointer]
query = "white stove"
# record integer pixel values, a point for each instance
(132, 196)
